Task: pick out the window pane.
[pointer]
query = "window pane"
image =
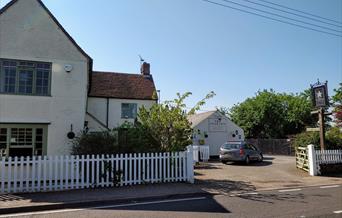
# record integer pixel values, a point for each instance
(21, 137)
(129, 110)
(26, 64)
(8, 77)
(25, 81)
(42, 82)
(39, 138)
(3, 138)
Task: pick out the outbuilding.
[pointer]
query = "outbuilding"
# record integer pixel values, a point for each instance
(214, 128)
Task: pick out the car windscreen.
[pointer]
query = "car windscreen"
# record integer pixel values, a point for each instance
(231, 146)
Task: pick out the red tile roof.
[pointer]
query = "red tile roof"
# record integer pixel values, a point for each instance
(122, 85)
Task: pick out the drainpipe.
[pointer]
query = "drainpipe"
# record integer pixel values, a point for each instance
(107, 115)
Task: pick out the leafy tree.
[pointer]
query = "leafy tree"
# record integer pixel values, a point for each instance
(163, 127)
(167, 122)
(223, 110)
(297, 112)
(273, 115)
(337, 103)
(337, 98)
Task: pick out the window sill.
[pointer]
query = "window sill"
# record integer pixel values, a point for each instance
(32, 95)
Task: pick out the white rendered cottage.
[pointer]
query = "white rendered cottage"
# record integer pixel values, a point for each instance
(115, 98)
(45, 79)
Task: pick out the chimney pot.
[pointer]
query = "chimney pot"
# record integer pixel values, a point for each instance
(145, 69)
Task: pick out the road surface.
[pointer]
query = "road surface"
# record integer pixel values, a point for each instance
(320, 201)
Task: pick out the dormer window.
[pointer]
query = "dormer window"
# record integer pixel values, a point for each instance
(25, 77)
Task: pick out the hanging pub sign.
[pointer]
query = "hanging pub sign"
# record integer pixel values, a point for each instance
(319, 93)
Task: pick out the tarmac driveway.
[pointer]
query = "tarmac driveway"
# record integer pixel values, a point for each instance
(275, 172)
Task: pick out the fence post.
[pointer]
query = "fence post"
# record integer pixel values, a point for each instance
(312, 160)
(190, 164)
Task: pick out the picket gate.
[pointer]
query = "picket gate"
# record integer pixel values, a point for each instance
(201, 153)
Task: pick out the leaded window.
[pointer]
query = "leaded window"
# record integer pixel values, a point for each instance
(25, 77)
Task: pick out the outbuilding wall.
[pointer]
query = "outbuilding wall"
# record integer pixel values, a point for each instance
(222, 134)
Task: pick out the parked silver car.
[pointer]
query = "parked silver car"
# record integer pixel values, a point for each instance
(239, 152)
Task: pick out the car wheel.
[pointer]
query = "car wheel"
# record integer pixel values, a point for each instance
(247, 160)
(261, 158)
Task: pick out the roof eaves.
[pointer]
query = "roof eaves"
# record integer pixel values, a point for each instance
(103, 96)
(9, 4)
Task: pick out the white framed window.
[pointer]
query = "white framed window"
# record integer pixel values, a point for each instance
(25, 77)
(129, 110)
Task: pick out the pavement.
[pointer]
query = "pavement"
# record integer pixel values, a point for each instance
(212, 178)
(14, 203)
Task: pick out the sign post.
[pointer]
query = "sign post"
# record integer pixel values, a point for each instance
(320, 100)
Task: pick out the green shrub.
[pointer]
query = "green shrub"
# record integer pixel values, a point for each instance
(333, 139)
(104, 142)
(127, 138)
(306, 138)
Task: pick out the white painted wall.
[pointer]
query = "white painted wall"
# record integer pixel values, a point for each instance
(28, 33)
(98, 108)
(216, 139)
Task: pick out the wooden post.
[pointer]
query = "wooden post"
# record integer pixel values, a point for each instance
(321, 128)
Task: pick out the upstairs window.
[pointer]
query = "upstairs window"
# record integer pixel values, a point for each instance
(25, 77)
(129, 110)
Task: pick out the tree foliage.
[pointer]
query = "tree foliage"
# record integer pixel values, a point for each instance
(273, 115)
(167, 122)
(333, 139)
(337, 104)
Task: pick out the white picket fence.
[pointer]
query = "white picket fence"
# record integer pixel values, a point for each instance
(201, 152)
(318, 157)
(55, 173)
(328, 156)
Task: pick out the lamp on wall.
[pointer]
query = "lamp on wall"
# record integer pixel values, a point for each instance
(71, 134)
(68, 68)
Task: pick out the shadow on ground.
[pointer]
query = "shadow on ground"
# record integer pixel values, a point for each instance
(204, 205)
(224, 186)
(207, 166)
(271, 198)
(10, 197)
(268, 158)
(252, 164)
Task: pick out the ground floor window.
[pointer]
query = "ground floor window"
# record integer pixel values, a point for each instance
(23, 140)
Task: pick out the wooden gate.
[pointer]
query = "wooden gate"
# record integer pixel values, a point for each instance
(302, 158)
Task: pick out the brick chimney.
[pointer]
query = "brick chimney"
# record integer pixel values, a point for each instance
(145, 69)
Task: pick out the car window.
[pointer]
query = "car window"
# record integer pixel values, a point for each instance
(245, 146)
(231, 146)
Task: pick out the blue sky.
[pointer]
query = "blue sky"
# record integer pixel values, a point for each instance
(199, 47)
